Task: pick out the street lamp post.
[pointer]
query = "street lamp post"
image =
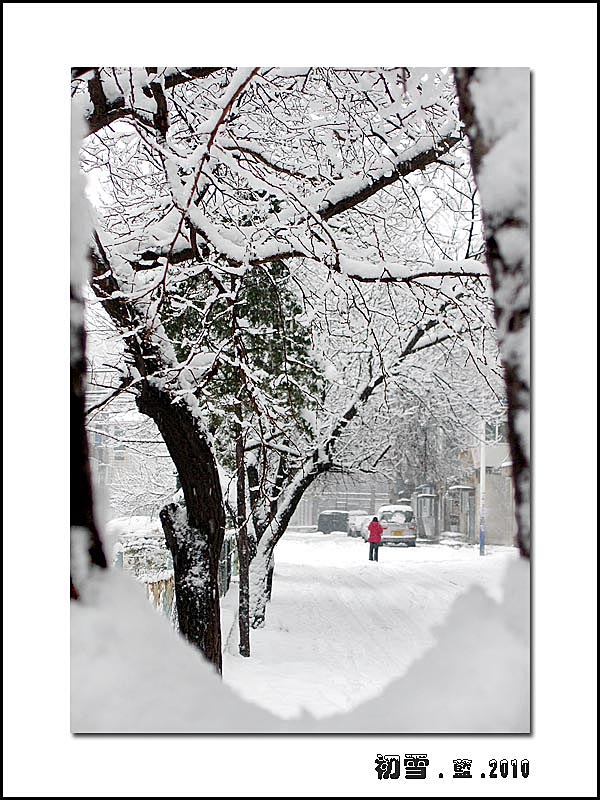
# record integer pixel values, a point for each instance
(482, 494)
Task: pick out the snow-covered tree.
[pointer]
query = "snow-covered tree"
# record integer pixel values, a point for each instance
(257, 398)
(371, 358)
(495, 108)
(207, 176)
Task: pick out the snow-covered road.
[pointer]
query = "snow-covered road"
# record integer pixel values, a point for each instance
(340, 628)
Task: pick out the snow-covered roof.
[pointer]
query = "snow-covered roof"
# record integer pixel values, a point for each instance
(459, 486)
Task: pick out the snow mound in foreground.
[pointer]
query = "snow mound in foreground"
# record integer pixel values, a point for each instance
(131, 673)
(475, 679)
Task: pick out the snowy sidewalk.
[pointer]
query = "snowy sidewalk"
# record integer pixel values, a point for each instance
(339, 628)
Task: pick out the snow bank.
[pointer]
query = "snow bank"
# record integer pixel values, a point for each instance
(131, 673)
(474, 680)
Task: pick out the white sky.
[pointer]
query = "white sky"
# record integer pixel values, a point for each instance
(559, 43)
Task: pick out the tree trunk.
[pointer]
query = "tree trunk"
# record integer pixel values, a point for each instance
(270, 571)
(82, 501)
(196, 582)
(259, 569)
(262, 566)
(243, 548)
(507, 260)
(195, 533)
(198, 544)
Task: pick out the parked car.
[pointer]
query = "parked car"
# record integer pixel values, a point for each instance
(364, 526)
(333, 521)
(398, 527)
(401, 505)
(356, 520)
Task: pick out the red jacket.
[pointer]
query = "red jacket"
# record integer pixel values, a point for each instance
(375, 531)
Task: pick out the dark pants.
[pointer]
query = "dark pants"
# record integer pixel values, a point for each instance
(373, 551)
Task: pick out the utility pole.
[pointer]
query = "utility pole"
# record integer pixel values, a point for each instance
(242, 537)
(240, 464)
(482, 494)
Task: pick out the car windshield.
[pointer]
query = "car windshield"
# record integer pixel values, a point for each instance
(397, 516)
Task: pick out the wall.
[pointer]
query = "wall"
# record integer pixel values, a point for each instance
(500, 522)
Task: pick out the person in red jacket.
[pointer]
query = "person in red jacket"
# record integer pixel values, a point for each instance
(375, 531)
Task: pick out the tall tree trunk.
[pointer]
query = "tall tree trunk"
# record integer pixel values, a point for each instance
(259, 593)
(195, 533)
(196, 582)
(82, 501)
(243, 548)
(500, 142)
(196, 541)
(262, 566)
(270, 573)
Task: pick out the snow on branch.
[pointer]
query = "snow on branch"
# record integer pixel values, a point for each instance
(113, 97)
(351, 191)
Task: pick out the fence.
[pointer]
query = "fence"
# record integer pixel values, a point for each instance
(228, 563)
(160, 587)
(161, 593)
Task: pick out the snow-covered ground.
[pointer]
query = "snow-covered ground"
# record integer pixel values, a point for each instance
(340, 628)
(430, 640)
